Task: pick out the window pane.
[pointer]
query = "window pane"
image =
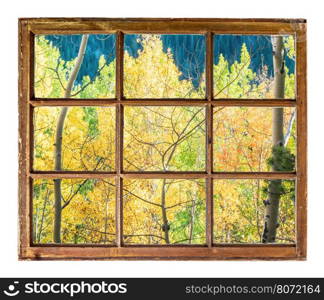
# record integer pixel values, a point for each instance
(164, 211)
(88, 138)
(56, 57)
(164, 66)
(244, 139)
(164, 138)
(239, 211)
(88, 211)
(244, 66)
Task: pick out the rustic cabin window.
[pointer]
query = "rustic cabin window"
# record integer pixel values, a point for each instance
(162, 138)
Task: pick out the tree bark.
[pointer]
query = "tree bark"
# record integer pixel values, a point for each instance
(274, 189)
(43, 216)
(58, 142)
(192, 219)
(165, 225)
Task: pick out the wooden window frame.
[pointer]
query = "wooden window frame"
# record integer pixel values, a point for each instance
(28, 28)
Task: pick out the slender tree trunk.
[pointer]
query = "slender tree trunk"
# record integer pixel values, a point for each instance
(106, 218)
(43, 216)
(192, 219)
(272, 205)
(165, 226)
(35, 226)
(58, 141)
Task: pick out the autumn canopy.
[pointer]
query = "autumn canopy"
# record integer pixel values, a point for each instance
(164, 139)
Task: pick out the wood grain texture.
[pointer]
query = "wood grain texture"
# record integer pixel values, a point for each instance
(119, 137)
(162, 175)
(23, 142)
(209, 66)
(164, 253)
(223, 26)
(165, 102)
(301, 220)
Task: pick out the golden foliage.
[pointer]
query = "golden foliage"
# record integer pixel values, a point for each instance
(88, 218)
(156, 139)
(153, 74)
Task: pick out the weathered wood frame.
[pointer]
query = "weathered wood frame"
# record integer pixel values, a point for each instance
(27, 101)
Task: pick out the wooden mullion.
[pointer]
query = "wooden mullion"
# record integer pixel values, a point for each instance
(209, 181)
(171, 26)
(283, 29)
(301, 68)
(31, 95)
(166, 102)
(162, 175)
(31, 209)
(31, 139)
(24, 136)
(253, 175)
(209, 187)
(209, 139)
(73, 102)
(209, 211)
(71, 175)
(214, 175)
(209, 66)
(158, 175)
(92, 20)
(119, 206)
(119, 65)
(172, 101)
(255, 102)
(238, 252)
(119, 137)
(119, 167)
(31, 66)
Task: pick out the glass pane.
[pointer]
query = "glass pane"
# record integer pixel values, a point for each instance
(164, 138)
(88, 138)
(58, 57)
(87, 211)
(241, 211)
(164, 66)
(253, 139)
(164, 211)
(245, 67)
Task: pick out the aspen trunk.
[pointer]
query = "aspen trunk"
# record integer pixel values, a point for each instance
(274, 190)
(192, 219)
(106, 218)
(43, 217)
(165, 226)
(58, 142)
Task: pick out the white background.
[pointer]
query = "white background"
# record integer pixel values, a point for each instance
(12, 9)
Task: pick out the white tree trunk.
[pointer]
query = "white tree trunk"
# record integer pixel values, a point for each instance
(58, 141)
(274, 190)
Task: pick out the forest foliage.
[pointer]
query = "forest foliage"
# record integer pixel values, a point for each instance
(157, 138)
